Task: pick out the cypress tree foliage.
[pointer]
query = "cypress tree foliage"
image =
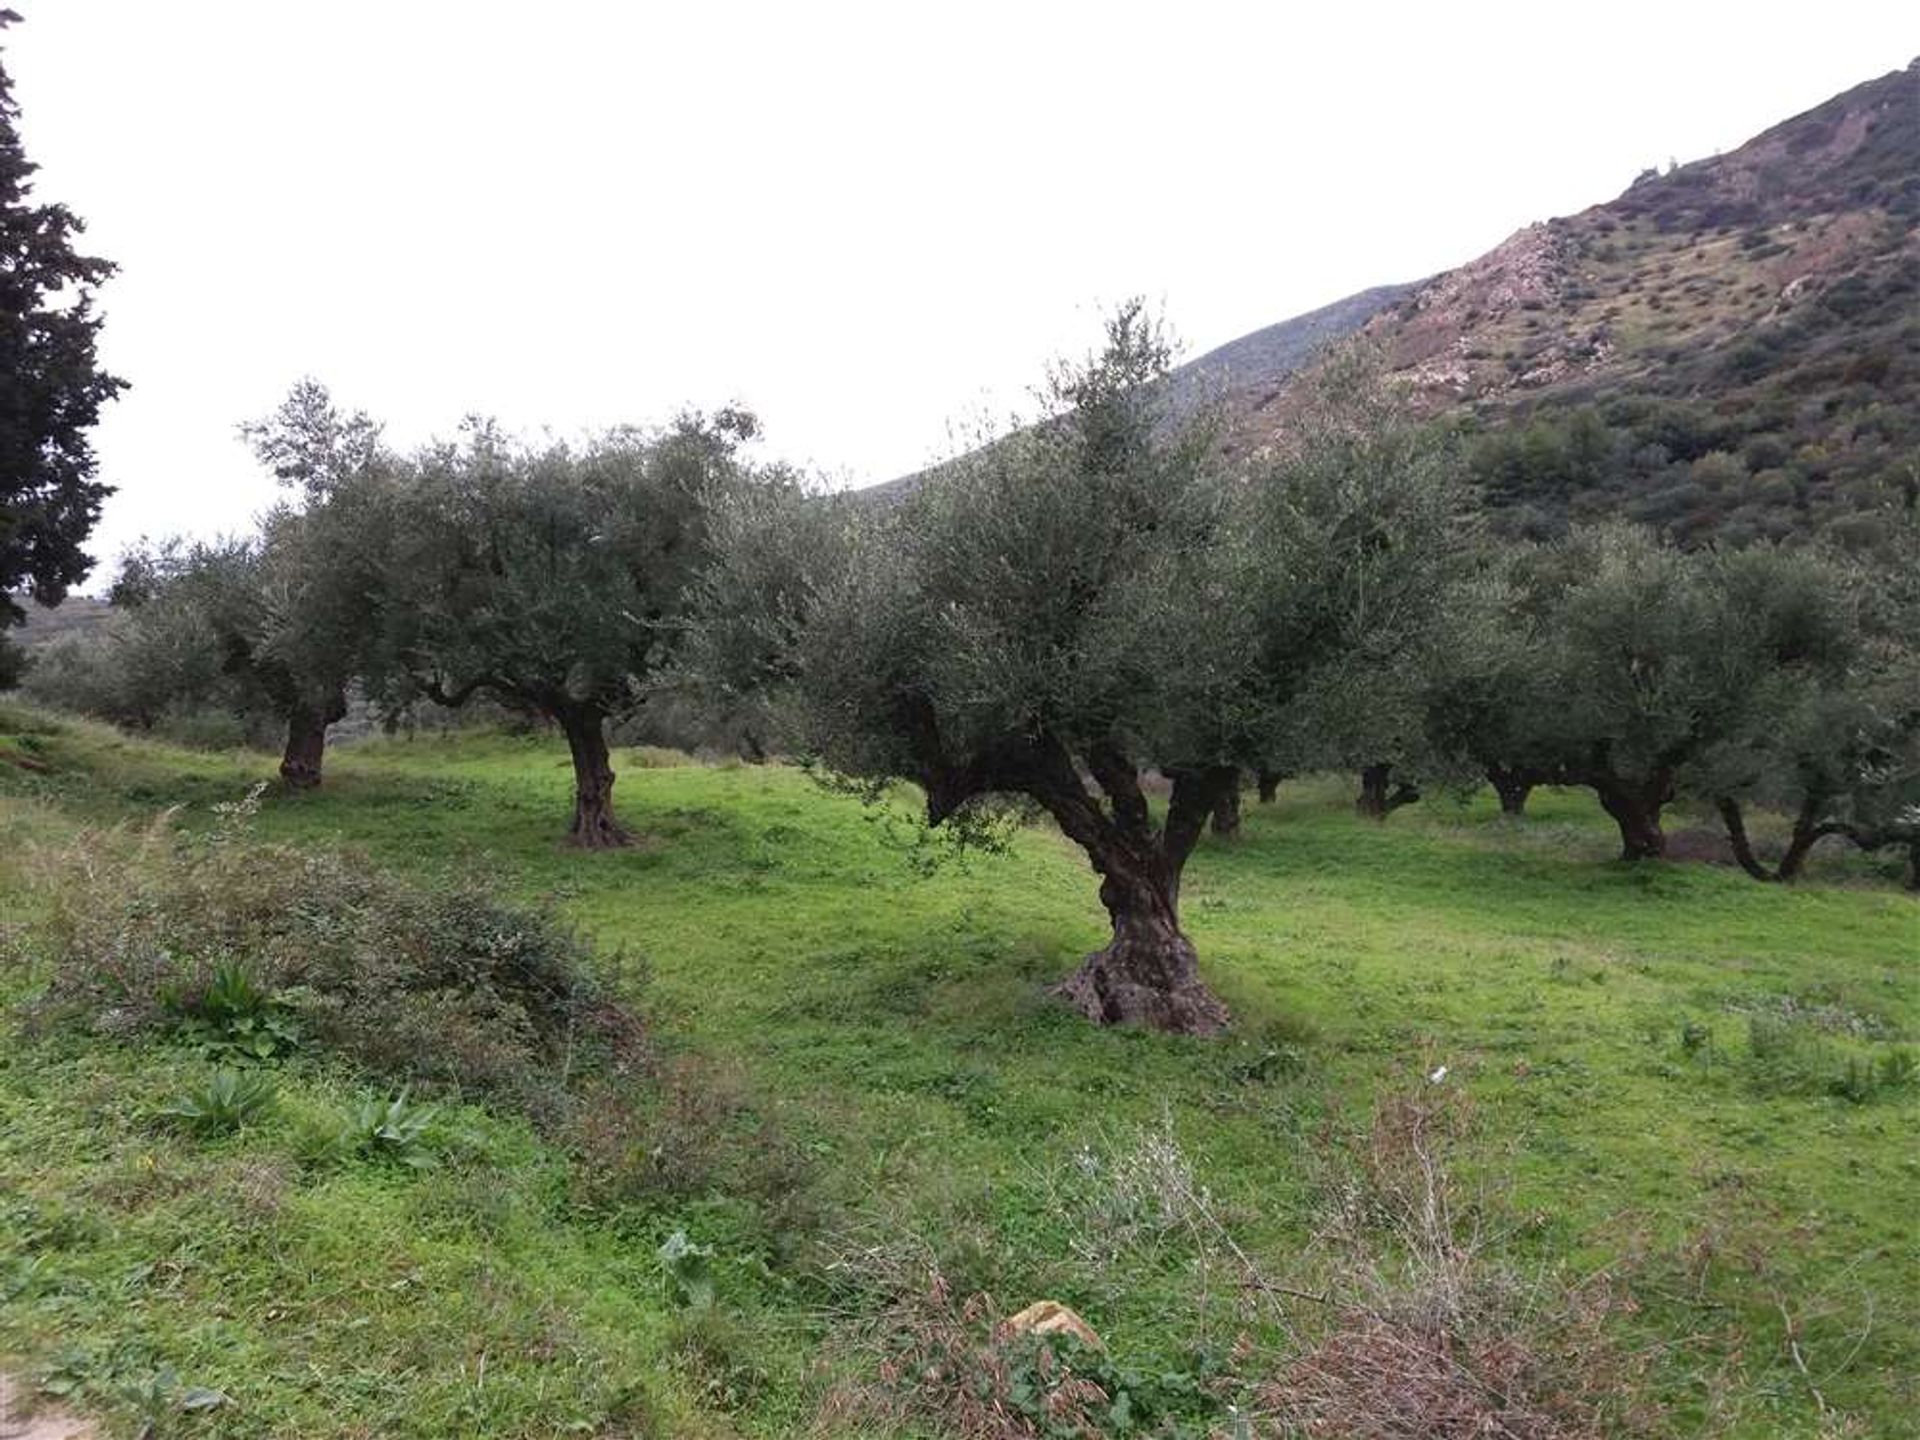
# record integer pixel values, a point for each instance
(51, 385)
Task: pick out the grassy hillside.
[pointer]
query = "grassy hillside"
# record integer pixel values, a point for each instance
(1640, 1068)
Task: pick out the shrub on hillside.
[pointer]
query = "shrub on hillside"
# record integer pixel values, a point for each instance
(253, 952)
(941, 1361)
(438, 984)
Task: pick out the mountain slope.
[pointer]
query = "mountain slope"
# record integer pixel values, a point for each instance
(46, 623)
(1728, 351)
(1731, 348)
(1244, 373)
(1252, 370)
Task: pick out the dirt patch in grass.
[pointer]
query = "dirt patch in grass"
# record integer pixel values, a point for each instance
(20, 1419)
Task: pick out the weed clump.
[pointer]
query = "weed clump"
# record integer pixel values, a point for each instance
(229, 1101)
(251, 950)
(1786, 1056)
(957, 1366)
(392, 1129)
(691, 1127)
(233, 1017)
(1429, 1332)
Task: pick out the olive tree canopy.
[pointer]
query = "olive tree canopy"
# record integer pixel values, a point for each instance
(272, 626)
(553, 578)
(1644, 672)
(1084, 613)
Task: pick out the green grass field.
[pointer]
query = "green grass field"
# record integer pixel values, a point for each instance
(891, 1027)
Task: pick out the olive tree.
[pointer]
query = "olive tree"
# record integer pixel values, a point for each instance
(1634, 688)
(1840, 764)
(1488, 702)
(304, 626)
(1361, 530)
(308, 626)
(552, 578)
(1642, 671)
(1078, 614)
(771, 542)
(287, 616)
(268, 628)
(1831, 737)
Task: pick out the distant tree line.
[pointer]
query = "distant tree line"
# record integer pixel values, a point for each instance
(552, 580)
(1098, 617)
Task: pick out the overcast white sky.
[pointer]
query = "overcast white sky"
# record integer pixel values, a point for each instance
(864, 221)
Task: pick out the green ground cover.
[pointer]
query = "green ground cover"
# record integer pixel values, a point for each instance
(1655, 1061)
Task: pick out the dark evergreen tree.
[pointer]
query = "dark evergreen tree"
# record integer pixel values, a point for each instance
(51, 385)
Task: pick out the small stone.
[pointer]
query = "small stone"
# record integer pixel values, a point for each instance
(1050, 1317)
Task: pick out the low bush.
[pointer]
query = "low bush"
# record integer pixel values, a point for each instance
(252, 947)
(252, 951)
(956, 1366)
(693, 1128)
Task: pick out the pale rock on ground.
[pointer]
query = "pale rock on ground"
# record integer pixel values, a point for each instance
(20, 1421)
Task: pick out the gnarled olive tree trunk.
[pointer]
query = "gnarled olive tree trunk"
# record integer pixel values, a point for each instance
(1379, 798)
(1635, 803)
(1808, 831)
(594, 826)
(306, 748)
(1268, 784)
(1147, 974)
(1513, 784)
